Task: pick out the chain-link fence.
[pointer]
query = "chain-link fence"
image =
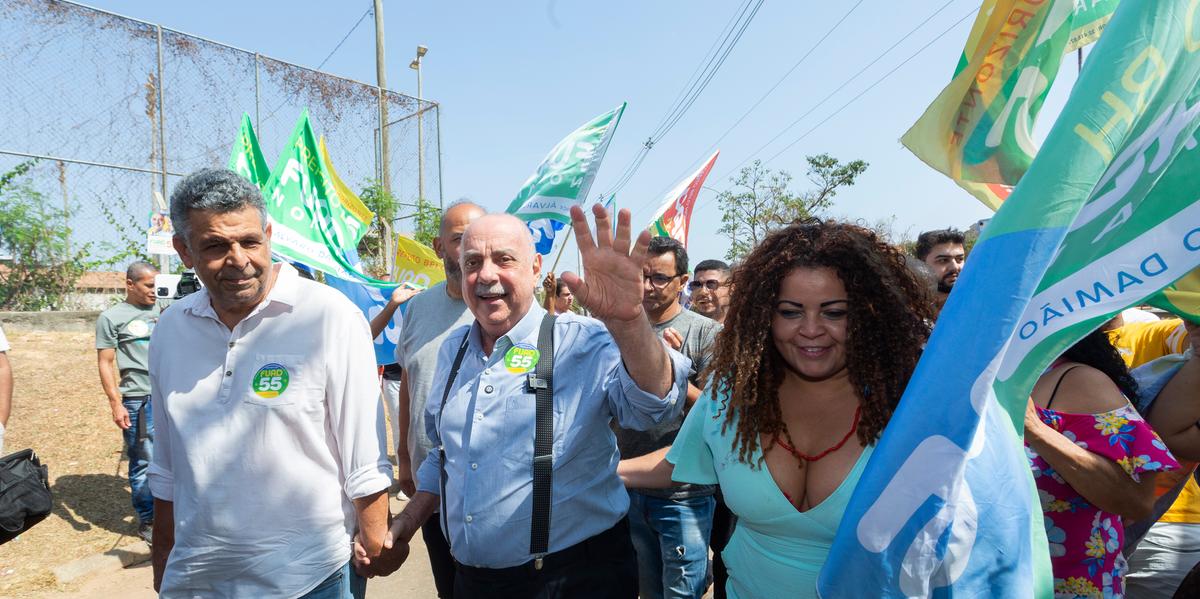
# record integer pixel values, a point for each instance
(113, 110)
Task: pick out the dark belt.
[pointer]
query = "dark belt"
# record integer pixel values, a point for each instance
(613, 540)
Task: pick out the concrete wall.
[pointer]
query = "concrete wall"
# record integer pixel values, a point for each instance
(82, 320)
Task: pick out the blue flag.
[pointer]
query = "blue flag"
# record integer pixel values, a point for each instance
(543, 231)
(371, 300)
(1105, 216)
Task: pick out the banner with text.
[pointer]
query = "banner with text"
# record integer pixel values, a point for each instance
(564, 178)
(1104, 217)
(979, 130)
(417, 264)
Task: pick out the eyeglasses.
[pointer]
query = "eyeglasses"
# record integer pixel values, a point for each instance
(711, 285)
(658, 280)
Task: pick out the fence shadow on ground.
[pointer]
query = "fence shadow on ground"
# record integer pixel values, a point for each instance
(94, 500)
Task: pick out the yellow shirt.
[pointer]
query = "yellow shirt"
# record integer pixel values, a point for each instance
(1141, 342)
(1186, 508)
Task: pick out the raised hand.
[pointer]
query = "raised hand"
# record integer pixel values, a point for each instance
(403, 293)
(611, 288)
(548, 284)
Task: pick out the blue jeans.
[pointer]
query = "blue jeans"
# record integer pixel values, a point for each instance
(139, 446)
(671, 541)
(345, 583)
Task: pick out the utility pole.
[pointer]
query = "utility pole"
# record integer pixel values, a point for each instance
(385, 176)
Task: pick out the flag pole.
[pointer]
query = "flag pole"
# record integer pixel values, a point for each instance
(560, 249)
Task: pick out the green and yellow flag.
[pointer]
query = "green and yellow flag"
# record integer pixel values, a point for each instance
(310, 223)
(979, 130)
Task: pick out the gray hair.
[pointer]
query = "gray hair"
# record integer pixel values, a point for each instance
(137, 269)
(215, 189)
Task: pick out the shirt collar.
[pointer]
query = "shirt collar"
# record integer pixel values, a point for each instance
(526, 329)
(285, 291)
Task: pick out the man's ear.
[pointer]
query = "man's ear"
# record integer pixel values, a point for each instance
(182, 249)
(437, 246)
(537, 266)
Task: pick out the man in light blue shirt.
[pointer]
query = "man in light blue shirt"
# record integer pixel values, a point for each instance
(614, 368)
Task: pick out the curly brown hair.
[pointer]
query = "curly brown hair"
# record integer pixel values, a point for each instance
(888, 316)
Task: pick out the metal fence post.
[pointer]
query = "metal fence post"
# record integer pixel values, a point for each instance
(438, 123)
(164, 260)
(257, 96)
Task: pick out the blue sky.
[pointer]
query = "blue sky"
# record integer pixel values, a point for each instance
(514, 77)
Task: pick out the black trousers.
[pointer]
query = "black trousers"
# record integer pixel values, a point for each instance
(722, 528)
(440, 560)
(602, 567)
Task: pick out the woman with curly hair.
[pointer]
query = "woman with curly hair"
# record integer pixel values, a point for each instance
(1094, 461)
(824, 328)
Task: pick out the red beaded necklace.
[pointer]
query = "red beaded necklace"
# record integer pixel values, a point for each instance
(812, 458)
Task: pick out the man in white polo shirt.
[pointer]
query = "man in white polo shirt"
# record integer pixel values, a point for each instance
(270, 450)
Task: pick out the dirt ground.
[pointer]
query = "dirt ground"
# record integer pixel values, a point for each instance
(60, 411)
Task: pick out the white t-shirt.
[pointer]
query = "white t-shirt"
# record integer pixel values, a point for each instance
(264, 435)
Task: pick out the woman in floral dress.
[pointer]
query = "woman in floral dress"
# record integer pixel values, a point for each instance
(1094, 461)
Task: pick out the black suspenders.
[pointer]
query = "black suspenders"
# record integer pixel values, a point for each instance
(541, 383)
(462, 351)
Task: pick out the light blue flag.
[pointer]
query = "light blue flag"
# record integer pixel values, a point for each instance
(544, 231)
(1105, 216)
(371, 300)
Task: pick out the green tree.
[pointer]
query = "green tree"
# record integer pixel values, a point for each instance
(427, 221)
(761, 199)
(377, 248)
(41, 268)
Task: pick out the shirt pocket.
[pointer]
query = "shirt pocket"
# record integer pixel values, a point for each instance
(520, 426)
(284, 382)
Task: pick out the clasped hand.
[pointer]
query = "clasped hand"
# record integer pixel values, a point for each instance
(391, 556)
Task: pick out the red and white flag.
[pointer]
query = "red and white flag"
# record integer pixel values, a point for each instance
(674, 216)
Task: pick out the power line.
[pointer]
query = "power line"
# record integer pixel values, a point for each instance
(698, 82)
(346, 37)
(369, 10)
(770, 91)
(852, 100)
(872, 86)
(685, 99)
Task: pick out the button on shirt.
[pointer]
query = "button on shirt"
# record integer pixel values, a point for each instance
(264, 435)
(487, 429)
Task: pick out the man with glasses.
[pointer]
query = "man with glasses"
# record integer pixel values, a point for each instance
(710, 289)
(670, 527)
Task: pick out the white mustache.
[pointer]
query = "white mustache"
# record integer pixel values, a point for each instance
(493, 289)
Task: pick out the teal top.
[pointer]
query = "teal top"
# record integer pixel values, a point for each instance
(776, 550)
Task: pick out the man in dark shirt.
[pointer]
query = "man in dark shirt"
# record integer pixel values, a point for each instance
(670, 527)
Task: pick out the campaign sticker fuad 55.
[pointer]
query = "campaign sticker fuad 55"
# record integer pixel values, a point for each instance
(521, 358)
(270, 381)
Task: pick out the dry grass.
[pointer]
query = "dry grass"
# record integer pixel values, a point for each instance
(61, 412)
